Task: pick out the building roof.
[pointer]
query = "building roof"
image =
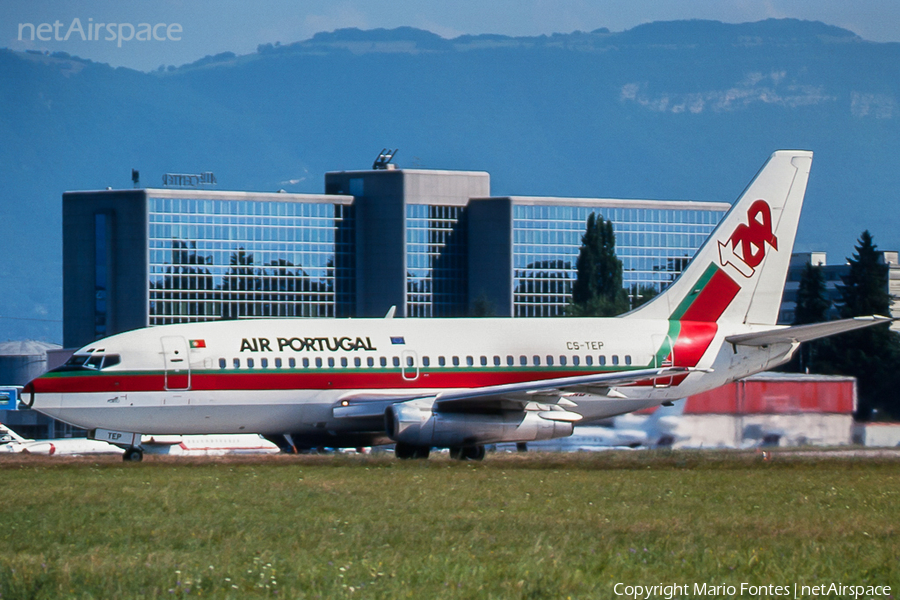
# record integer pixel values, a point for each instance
(26, 348)
(209, 194)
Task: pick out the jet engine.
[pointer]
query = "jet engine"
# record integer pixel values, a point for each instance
(416, 424)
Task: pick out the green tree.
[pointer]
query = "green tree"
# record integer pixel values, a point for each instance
(812, 307)
(598, 290)
(812, 297)
(871, 354)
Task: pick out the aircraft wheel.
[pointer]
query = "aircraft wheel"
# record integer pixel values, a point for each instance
(407, 451)
(133, 455)
(467, 453)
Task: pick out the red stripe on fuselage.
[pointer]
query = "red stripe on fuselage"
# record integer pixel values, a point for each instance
(294, 380)
(693, 340)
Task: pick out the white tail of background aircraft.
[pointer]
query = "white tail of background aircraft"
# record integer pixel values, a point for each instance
(13, 443)
(456, 383)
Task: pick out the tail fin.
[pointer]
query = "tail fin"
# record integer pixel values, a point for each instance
(738, 274)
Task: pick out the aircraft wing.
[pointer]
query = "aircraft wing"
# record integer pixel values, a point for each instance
(805, 333)
(509, 396)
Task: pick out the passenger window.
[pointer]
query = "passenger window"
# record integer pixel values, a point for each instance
(602, 360)
(222, 363)
(536, 360)
(470, 361)
(409, 361)
(576, 361)
(305, 363)
(496, 361)
(264, 362)
(589, 360)
(237, 363)
(343, 361)
(615, 359)
(383, 361)
(562, 360)
(627, 359)
(455, 361)
(277, 363)
(249, 363)
(549, 361)
(441, 361)
(292, 363)
(396, 361)
(370, 362)
(357, 361)
(523, 360)
(319, 363)
(510, 361)
(426, 361)
(484, 361)
(330, 361)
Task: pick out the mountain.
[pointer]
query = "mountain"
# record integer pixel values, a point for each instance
(674, 110)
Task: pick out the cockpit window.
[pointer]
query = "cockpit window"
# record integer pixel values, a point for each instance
(94, 362)
(77, 360)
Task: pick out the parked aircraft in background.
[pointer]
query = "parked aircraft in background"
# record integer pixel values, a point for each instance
(174, 445)
(455, 383)
(208, 445)
(12, 443)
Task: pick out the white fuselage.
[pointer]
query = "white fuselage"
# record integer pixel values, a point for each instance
(287, 376)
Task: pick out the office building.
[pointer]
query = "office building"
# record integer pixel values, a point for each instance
(424, 243)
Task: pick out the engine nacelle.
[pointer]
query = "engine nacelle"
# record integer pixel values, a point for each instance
(416, 424)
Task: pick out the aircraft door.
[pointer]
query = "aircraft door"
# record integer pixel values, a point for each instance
(664, 346)
(177, 362)
(409, 365)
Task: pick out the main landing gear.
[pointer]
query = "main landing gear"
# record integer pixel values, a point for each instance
(133, 454)
(408, 451)
(467, 453)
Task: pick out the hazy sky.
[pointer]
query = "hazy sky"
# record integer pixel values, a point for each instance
(194, 28)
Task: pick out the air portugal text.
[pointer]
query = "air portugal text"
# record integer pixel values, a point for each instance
(308, 344)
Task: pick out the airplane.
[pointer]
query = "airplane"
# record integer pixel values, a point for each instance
(208, 445)
(455, 383)
(13, 443)
(176, 445)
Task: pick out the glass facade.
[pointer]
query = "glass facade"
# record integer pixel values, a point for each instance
(102, 255)
(226, 259)
(436, 261)
(654, 245)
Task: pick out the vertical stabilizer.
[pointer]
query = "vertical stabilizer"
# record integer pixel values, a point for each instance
(738, 274)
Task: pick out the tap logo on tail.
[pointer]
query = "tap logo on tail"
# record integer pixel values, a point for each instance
(746, 248)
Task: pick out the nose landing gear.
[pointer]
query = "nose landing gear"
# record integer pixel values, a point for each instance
(133, 455)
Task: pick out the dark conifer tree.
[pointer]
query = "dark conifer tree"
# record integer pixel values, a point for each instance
(812, 307)
(871, 355)
(598, 290)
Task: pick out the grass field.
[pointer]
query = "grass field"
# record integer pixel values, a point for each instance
(514, 526)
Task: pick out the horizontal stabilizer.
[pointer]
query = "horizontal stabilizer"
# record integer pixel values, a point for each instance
(805, 333)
